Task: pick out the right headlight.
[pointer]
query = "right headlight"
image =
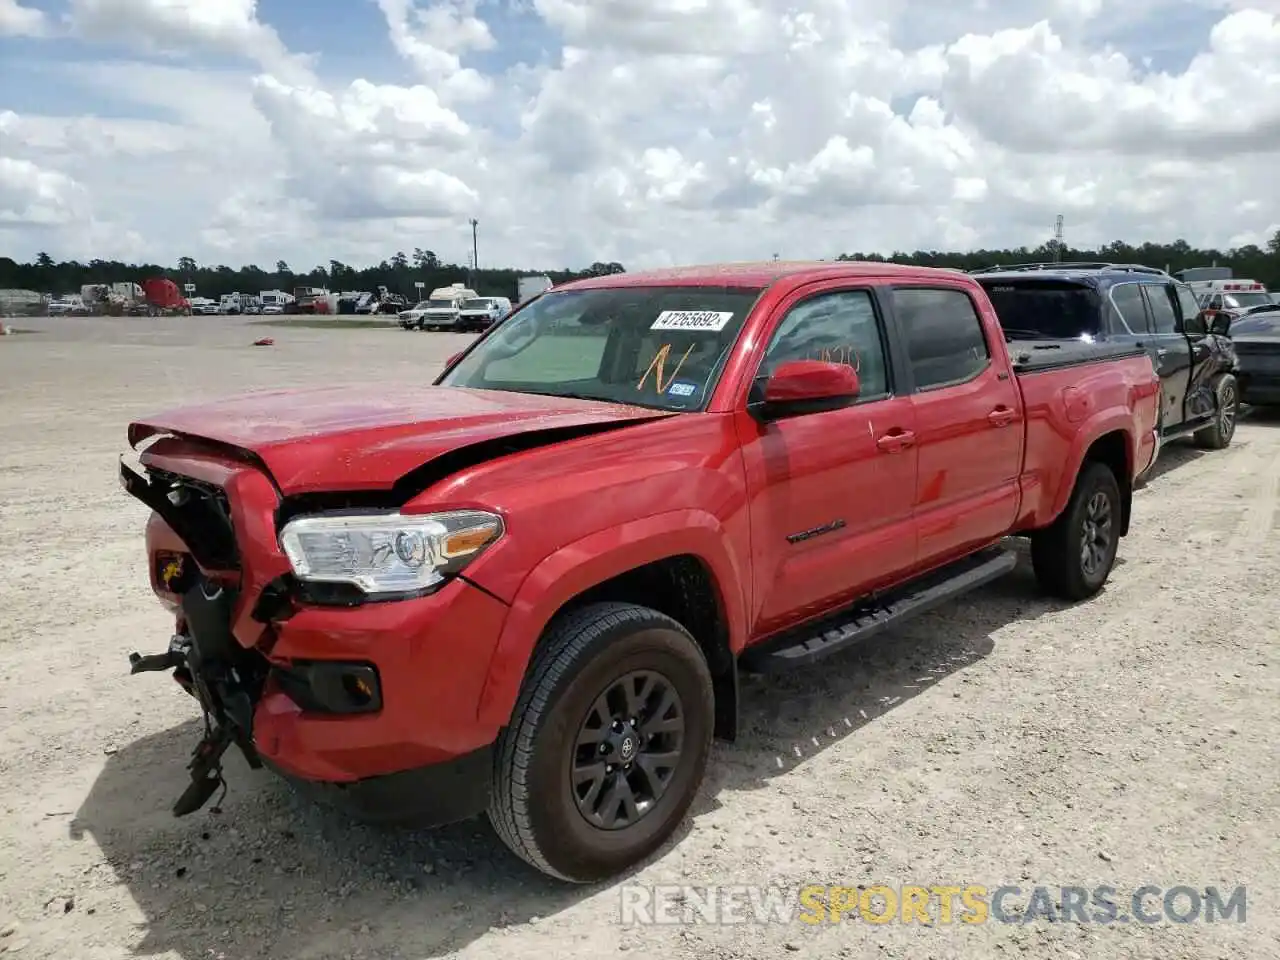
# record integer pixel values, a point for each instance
(387, 553)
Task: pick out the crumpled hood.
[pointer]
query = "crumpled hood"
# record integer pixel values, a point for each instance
(349, 438)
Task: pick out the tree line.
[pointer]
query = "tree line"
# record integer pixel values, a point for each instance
(1247, 262)
(400, 272)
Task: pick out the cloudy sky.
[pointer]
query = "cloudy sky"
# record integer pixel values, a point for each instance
(644, 131)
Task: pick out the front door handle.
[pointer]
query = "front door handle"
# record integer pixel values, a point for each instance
(1001, 416)
(896, 440)
(1162, 353)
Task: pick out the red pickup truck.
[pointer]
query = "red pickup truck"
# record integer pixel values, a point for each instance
(528, 589)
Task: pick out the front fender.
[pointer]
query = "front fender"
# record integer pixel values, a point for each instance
(598, 557)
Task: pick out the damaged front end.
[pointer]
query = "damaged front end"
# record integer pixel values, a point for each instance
(204, 656)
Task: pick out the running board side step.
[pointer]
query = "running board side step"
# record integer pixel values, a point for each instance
(813, 641)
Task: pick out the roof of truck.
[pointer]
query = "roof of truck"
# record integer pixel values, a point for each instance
(756, 273)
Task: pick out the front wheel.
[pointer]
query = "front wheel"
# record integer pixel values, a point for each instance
(1073, 557)
(1218, 435)
(608, 743)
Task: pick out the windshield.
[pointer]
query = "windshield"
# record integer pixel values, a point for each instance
(660, 347)
(436, 304)
(1045, 309)
(1244, 301)
(475, 304)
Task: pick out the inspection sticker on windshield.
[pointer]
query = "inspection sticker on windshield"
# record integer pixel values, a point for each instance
(691, 320)
(682, 388)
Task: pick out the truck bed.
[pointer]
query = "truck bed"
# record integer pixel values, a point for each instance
(1035, 356)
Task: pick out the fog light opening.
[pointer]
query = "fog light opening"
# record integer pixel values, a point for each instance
(359, 690)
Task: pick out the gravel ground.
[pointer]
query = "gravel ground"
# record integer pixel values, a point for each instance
(1126, 741)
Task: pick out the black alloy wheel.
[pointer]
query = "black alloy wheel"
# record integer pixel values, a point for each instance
(627, 749)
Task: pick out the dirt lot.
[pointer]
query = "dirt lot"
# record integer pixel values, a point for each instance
(1127, 741)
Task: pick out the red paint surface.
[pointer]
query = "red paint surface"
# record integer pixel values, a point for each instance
(918, 480)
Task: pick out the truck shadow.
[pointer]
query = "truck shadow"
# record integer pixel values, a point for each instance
(1174, 454)
(273, 876)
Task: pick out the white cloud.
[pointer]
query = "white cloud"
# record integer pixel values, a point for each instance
(34, 197)
(669, 131)
(371, 152)
(174, 26)
(434, 38)
(17, 20)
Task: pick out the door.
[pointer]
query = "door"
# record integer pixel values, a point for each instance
(830, 493)
(1172, 351)
(1206, 359)
(1133, 324)
(970, 426)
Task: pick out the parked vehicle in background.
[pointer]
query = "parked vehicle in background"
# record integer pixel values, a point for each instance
(529, 287)
(382, 302)
(1234, 298)
(68, 306)
(348, 300)
(164, 298)
(1196, 276)
(1129, 304)
(430, 314)
(480, 313)
(440, 311)
(203, 306)
(274, 299)
(231, 304)
(529, 588)
(305, 298)
(1256, 337)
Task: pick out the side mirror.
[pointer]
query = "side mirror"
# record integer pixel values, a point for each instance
(454, 359)
(804, 386)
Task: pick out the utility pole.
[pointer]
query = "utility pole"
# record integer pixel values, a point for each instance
(475, 256)
(1057, 240)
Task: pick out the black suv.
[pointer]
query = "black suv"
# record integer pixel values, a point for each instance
(1135, 304)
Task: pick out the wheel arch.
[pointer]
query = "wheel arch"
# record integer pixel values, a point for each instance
(1110, 441)
(677, 563)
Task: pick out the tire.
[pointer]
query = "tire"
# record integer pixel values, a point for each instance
(534, 807)
(1227, 401)
(1058, 551)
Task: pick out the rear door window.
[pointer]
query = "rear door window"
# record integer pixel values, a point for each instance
(1130, 308)
(945, 340)
(1163, 317)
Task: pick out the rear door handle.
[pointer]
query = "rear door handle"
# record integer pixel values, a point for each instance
(1001, 416)
(897, 440)
(1162, 352)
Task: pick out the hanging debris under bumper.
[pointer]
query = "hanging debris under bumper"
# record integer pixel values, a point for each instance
(224, 678)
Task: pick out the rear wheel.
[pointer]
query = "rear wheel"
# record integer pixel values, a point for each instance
(608, 743)
(1073, 557)
(1218, 435)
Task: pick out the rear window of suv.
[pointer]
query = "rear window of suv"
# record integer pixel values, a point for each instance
(1045, 309)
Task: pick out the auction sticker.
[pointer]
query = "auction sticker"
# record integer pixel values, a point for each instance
(682, 388)
(691, 320)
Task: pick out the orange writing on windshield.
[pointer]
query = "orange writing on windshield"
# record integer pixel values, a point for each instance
(658, 364)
